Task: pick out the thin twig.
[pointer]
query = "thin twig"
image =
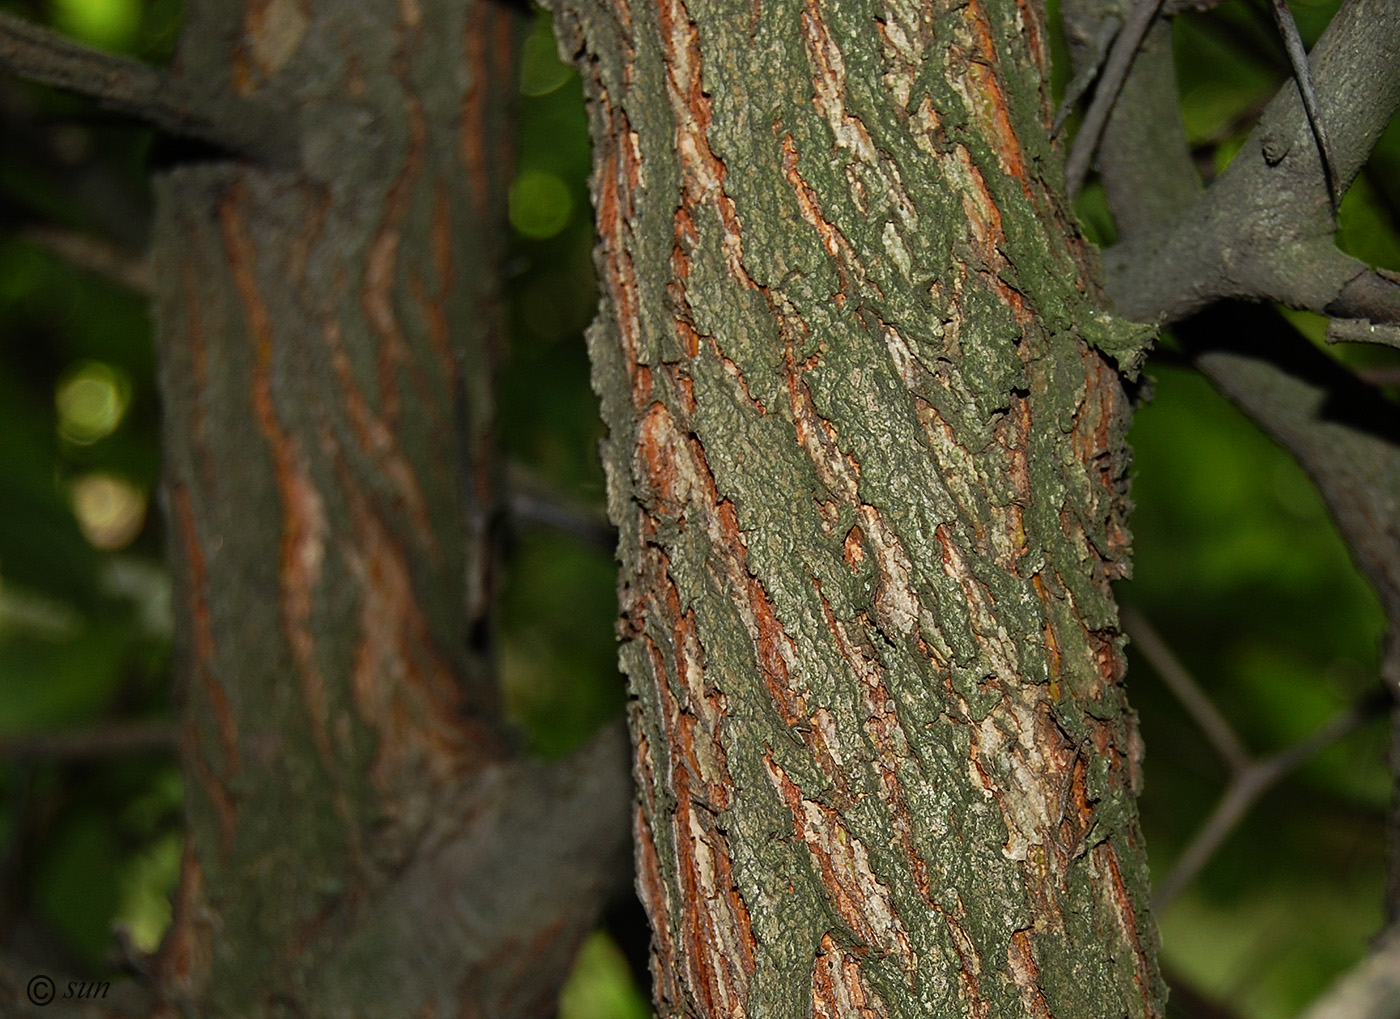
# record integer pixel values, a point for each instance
(1250, 778)
(1248, 784)
(1360, 330)
(1120, 61)
(1367, 707)
(95, 255)
(1367, 310)
(1298, 57)
(1115, 72)
(135, 89)
(1229, 810)
(1221, 734)
(535, 502)
(107, 739)
(1086, 74)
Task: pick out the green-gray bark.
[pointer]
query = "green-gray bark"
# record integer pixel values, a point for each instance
(867, 460)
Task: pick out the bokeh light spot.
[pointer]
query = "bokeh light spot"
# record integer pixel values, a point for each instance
(540, 205)
(91, 401)
(110, 510)
(540, 70)
(111, 24)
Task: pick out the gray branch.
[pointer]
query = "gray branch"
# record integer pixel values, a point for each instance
(1263, 230)
(1185, 689)
(1344, 433)
(129, 87)
(1363, 330)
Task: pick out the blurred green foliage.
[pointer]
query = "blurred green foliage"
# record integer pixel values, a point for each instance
(601, 986)
(558, 656)
(1236, 564)
(84, 614)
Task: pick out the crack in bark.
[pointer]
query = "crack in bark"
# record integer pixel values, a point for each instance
(702, 173)
(839, 988)
(854, 891)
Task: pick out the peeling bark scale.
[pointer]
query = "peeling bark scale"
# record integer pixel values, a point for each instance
(867, 460)
(361, 842)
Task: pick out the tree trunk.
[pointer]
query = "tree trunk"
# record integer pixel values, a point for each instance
(867, 459)
(362, 841)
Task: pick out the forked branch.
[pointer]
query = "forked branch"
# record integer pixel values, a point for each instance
(1250, 777)
(1115, 51)
(1263, 230)
(1115, 71)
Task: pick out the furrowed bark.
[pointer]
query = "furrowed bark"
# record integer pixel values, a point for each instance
(870, 482)
(361, 841)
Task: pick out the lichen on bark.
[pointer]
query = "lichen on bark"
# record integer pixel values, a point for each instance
(866, 455)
